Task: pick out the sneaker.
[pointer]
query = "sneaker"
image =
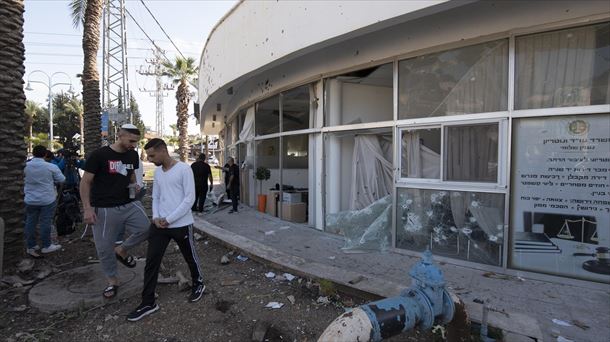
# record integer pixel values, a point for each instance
(52, 248)
(36, 248)
(141, 311)
(33, 253)
(196, 292)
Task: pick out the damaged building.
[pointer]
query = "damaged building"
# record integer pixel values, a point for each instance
(478, 129)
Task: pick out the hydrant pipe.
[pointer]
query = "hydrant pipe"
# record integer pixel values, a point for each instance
(425, 302)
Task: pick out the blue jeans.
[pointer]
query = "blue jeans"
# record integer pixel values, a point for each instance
(39, 214)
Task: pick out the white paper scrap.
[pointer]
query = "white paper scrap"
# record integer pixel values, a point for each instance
(289, 276)
(274, 305)
(270, 275)
(562, 323)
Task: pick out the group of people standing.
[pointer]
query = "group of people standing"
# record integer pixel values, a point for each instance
(108, 191)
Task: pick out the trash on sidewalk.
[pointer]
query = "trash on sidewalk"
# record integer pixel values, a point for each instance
(241, 258)
(580, 324)
(289, 276)
(274, 305)
(323, 300)
(43, 272)
(231, 282)
(198, 237)
(224, 260)
(166, 280)
(332, 257)
(563, 339)
(291, 299)
(270, 275)
(356, 280)
(562, 323)
(271, 232)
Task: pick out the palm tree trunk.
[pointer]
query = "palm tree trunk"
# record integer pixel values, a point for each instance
(81, 120)
(29, 123)
(91, 78)
(183, 98)
(12, 125)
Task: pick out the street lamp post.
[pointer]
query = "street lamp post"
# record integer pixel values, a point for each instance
(49, 84)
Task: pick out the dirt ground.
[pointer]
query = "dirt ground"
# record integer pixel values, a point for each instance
(233, 305)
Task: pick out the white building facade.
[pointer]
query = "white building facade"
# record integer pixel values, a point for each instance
(478, 129)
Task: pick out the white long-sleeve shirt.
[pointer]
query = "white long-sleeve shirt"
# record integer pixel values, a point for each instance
(174, 195)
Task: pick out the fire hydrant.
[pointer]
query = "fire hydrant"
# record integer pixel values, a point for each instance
(425, 302)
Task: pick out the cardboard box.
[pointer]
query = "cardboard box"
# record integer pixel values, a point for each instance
(291, 197)
(294, 212)
(272, 202)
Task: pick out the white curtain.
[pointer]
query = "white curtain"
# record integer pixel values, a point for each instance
(472, 153)
(372, 175)
(419, 161)
(556, 69)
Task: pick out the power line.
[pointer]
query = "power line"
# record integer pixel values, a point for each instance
(79, 35)
(73, 45)
(146, 34)
(161, 27)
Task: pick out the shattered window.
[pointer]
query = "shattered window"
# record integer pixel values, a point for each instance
(456, 224)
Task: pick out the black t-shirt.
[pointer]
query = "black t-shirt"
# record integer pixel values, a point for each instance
(201, 172)
(234, 171)
(112, 172)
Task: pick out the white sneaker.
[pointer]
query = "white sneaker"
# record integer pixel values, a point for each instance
(52, 248)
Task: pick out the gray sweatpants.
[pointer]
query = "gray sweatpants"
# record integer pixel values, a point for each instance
(112, 223)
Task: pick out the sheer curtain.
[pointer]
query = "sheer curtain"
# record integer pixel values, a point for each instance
(372, 175)
(472, 153)
(418, 161)
(556, 69)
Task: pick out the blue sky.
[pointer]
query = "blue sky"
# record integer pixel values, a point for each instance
(53, 45)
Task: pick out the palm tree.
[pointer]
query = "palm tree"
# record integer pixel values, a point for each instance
(12, 124)
(89, 13)
(182, 71)
(31, 110)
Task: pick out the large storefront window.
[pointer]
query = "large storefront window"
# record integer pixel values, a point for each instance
(563, 68)
(358, 168)
(268, 156)
(267, 117)
(295, 109)
(456, 224)
(295, 178)
(471, 79)
(470, 152)
(560, 210)
(359, 96)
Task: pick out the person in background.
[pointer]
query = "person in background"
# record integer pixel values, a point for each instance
(173, 195)
(202, 173)
(108, 189)
(40, 201)
(233, 186)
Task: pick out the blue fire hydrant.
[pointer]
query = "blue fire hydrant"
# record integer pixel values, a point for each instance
(425, 302)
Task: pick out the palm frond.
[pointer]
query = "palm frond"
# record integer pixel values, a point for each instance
(77, 11)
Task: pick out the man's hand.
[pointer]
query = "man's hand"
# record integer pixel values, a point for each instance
(89, 216)
(161, 222)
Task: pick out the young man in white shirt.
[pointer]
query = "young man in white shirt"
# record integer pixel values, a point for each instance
(173, 196)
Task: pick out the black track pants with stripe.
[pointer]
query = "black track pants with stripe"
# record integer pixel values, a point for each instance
(158, 239)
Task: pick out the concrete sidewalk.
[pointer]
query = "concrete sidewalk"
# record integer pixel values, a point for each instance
(521, 306)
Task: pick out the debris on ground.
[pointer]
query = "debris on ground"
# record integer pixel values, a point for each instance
(224, 260)
(270, 275)
(19, 308)
(230, 282)
(274, 305)
(43, 272)
(580, 324)
(166, 280)
(198, 237)
(16, 281)
(291, 299)
(288, 276)
(259, 331)
(241, 258)
(562, 323)
(323, 300)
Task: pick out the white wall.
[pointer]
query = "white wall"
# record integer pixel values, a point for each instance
(366, 103)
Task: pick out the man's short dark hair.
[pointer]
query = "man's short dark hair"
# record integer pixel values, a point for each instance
(39, 151)
(155, 143)
(202, 156)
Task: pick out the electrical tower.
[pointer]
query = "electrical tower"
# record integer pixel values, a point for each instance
(115, 84)
(156, 69)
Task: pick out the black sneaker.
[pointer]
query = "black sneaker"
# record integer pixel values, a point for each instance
(141, 311)
(196, 292)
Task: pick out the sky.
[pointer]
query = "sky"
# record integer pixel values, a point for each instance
(53, 45)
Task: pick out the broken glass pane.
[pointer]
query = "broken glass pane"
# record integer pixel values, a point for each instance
(365, 229)
(456, 224)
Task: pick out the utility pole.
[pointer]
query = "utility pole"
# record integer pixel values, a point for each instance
(115, 82)
(155, 68)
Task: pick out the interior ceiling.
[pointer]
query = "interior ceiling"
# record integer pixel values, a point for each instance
(380, 76)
